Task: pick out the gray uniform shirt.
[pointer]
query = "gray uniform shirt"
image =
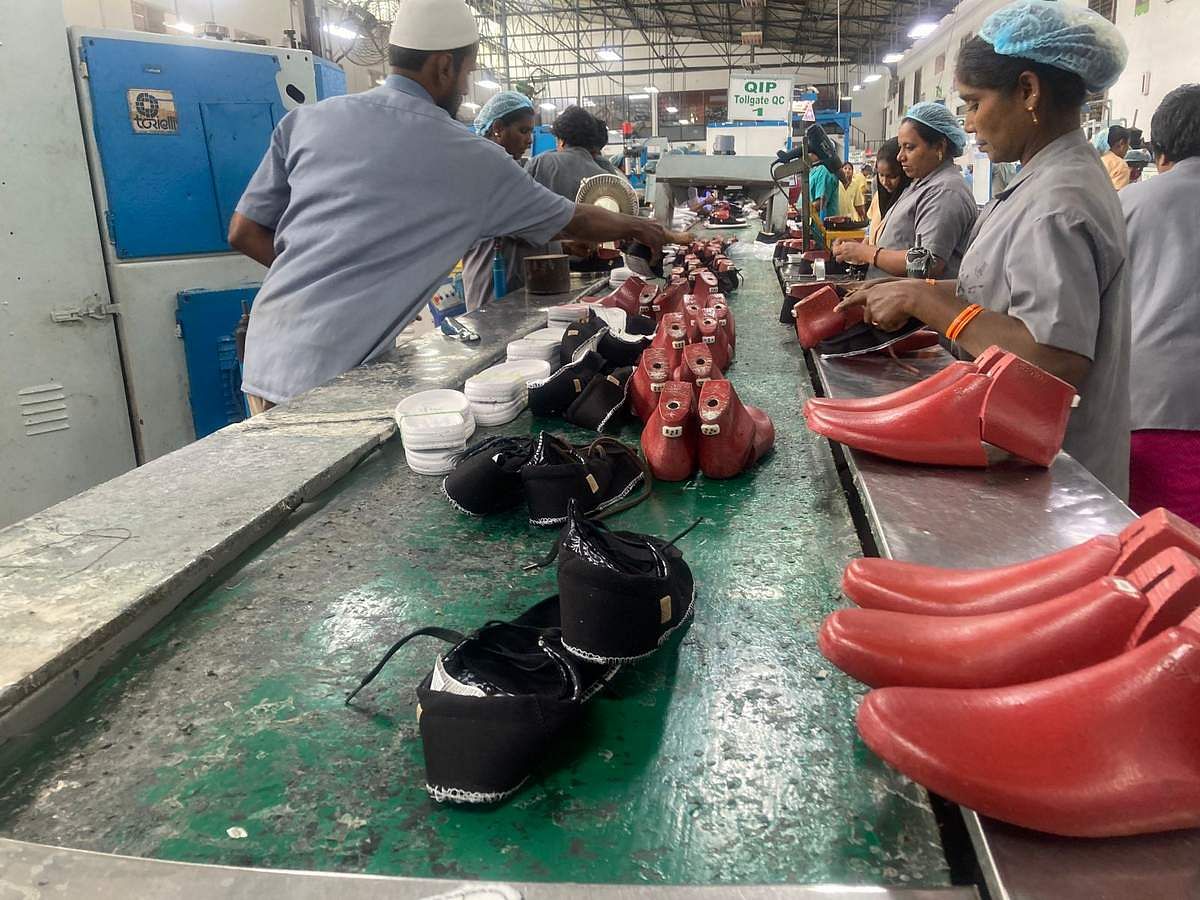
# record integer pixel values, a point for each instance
(563, 170)
(1163, 218)
(373, 197)
(939, 208)
(1050, 250)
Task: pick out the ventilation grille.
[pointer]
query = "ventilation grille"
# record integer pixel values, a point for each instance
(43, 409)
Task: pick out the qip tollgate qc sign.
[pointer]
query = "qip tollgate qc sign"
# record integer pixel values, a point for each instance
(760, 97)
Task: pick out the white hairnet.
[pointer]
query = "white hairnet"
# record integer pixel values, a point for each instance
(1066, 37)
(500, 106)
(940, 119)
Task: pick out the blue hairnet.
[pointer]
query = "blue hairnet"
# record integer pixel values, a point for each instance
(500, 106)
(937, 117)
(1066, 37)
(1100, 141)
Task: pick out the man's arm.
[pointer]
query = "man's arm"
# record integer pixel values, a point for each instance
(248, 237)
(596, 224)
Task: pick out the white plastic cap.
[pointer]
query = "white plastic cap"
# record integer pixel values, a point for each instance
(434, 25)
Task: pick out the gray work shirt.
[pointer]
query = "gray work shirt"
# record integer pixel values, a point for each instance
(373, 198)
(1163, 219)
(1050, 250)
(939, 208)
(563, 170)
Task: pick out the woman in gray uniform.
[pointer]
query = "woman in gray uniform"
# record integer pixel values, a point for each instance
(1044, 276)
(506, 119)
(935, 213)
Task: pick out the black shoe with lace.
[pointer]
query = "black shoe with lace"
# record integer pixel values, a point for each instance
(865, 338)
(493, 704)
(621, 594)
(623, 350)
(601, 402)
(640, 324)
(551, 396)
(604, 477)
(487, 476)
(580, 337)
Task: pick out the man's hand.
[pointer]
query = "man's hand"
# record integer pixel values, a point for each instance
(887, 304)
(854, 252)
(656, 235)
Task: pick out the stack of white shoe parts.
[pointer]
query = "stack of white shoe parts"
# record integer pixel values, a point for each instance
(434, 428)
(499, 394)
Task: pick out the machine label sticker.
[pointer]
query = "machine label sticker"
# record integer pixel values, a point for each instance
(152, 112)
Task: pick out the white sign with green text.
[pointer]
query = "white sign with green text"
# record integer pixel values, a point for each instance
(761, 98)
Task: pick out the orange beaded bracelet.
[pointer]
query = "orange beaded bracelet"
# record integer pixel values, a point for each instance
(962, 320)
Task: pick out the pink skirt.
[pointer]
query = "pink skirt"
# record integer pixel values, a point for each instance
(1164, 470)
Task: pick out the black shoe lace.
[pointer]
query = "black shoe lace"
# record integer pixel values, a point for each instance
(514, 446)
(486, 640)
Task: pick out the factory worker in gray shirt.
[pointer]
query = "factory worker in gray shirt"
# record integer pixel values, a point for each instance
(936, 211)
(1163, 215)
(363, 203)
(1046, 260)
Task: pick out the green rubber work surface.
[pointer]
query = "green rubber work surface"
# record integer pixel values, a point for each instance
(729, 756)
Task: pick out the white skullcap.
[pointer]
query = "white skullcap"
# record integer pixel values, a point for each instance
(434, 25)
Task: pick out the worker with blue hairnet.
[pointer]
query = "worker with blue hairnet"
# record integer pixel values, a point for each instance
(925, 233)
(506, 119)
(1045, 273)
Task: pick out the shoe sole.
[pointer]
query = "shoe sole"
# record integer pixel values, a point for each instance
(593, 658)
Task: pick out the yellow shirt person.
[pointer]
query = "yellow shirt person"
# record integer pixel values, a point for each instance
(1118, 169)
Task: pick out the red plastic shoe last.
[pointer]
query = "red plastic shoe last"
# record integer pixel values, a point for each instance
(670, 438)
(1071, 632)
(716, 338)
(652, 372)
(669, 301)
(672, 336)
(733, 436)
(725, 320)
(1109, 750)
(697, 366)
(817, 318)
(627, 296)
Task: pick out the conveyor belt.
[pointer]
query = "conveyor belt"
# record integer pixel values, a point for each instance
(730, 757)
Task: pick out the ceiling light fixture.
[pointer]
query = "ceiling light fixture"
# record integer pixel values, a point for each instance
(587, 101)
(685, 121)
(856, 88)
(548, 106)
(650, 89)
(889, 58)
(180, 25)
(872, 78)
(847, 99)
(339, 31)
(672, 109)
(922, 30)
(608, 54)
(489, 84)
(639, 96)
(382, 81)
(468, 105)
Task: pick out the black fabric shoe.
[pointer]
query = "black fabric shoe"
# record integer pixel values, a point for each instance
(622, 351)
(551, 396)
(493, 704)
(487, 476)
(604, 477)
(601, 401)
(622, 594)
(580, 337)
(865, 338)
(640, 325)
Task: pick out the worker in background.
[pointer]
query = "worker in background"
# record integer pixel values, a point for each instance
(506, 119)
(1044, 276)
(852, 200)
(1114, 157)
(822, 188)
(937, 210)
(364, 202)
(563, 169)
(598, 150)
(868, 175)
(1162, 215)
(890, 183)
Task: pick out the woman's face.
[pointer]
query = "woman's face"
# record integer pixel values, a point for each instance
(515, 137)
(917, 158)
(1002, 125)
(889, 174)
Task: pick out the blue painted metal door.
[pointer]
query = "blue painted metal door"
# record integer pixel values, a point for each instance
(169, 192)
(331, 79)
(207, 321)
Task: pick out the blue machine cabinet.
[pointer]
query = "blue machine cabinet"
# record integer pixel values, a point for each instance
(331, 79)
(543, 140)
(179, 129)
(207, 322)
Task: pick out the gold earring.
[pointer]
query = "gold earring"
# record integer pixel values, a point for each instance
(1033, 112)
